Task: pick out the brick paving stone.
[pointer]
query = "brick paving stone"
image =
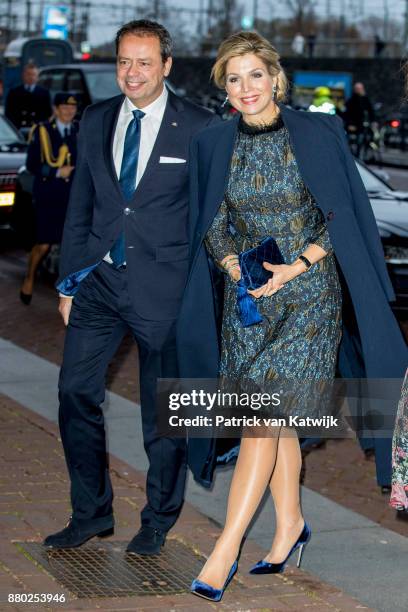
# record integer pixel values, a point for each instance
(37, 515)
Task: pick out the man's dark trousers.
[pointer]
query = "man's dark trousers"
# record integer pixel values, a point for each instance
(101, 314)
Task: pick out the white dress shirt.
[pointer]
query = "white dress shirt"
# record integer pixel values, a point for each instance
(62, 126)
(149, 124)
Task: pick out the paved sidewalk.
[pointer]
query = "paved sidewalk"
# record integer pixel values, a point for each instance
(34, 502)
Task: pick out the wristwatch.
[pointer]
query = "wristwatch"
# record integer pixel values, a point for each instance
(305, 261)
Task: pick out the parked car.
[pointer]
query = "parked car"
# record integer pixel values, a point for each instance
(391, 213)
(395, 129)
(89, 82)
(13, 150)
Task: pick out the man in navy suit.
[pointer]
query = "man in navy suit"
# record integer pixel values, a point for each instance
(124, 263)
(28, 103)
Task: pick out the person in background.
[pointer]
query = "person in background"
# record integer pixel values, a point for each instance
(298, 44)
(359, 109)
(311, 43)
(399, 491)
(29, 103)
(358, 117)
(322, 101)
(51, 159)
(379, 46)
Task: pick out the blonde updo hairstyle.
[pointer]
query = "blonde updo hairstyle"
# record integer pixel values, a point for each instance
(242, 43)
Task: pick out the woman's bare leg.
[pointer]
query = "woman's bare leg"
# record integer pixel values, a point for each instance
(37, 253)
(285, 489)
(255, 464)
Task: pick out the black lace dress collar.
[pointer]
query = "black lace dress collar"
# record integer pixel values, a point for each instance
(264, 128)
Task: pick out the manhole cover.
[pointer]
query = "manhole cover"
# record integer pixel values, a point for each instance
(105, 570)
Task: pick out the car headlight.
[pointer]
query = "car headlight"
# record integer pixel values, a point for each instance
(7, 198)
(396, 255)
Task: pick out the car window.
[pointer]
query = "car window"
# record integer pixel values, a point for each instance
(75, 83)
(7, 134)
(102, 84)
(53, 80)
(371, 182)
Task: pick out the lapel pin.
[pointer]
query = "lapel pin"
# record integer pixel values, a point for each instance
(174, 124)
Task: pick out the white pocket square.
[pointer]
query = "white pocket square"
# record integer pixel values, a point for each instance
(171, 160)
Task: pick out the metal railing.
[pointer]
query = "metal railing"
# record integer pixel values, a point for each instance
(341, 47)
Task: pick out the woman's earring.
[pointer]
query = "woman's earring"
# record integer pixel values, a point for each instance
(274, 90)
(225, 101)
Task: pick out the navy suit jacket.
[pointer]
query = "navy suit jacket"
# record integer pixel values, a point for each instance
(372, 344)
(24, 108)
(154, 220)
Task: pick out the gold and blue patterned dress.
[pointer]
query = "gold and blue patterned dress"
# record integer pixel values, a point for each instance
(301, 328)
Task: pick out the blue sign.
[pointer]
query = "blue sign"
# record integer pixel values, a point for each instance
(247, 22)
(55, 23)
(333, 80)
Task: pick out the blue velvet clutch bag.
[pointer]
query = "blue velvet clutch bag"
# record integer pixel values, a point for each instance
(254, 275)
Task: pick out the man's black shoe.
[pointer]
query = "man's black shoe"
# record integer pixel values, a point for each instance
(147, 541)
(73, 535)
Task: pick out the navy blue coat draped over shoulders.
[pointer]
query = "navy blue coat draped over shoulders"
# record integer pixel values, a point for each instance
(372, 344)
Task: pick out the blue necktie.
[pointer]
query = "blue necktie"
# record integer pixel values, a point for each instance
(127, 179)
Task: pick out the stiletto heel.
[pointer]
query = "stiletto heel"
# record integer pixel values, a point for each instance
(299, 561)
(263, 567)
(202, 589)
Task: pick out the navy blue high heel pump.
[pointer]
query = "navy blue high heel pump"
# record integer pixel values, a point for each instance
(263, 567)
(202, 589)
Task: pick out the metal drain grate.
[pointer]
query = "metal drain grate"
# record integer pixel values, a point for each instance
(105, 570)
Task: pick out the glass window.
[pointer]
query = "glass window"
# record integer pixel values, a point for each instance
(74, 82)
(102, 84)
(53, 80)
(7, 133)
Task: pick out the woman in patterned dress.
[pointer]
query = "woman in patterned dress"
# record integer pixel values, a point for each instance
(301, 307)
(273, 172)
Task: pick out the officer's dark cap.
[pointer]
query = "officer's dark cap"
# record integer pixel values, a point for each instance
(65, 97)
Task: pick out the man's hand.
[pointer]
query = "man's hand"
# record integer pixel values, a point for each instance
(65, 304)
(65, 171)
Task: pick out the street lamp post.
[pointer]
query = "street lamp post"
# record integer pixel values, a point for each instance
(255, 13)
(156, 9)
(405, 36)
(28, 18)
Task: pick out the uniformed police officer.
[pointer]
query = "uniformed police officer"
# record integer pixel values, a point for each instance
(51, 159)
(28, 103)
